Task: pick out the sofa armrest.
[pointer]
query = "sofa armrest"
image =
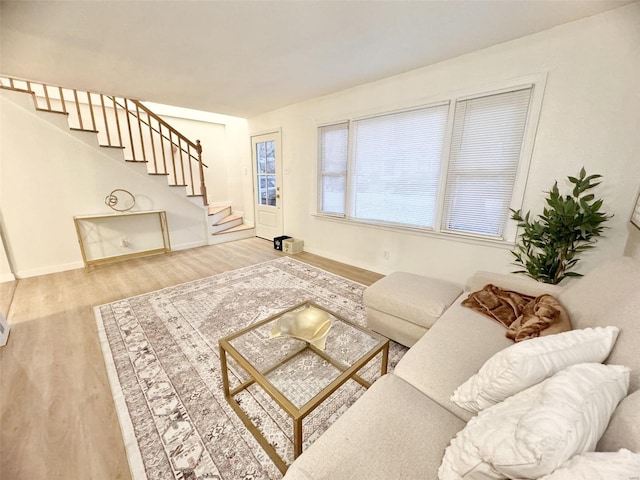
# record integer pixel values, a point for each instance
(510, 281)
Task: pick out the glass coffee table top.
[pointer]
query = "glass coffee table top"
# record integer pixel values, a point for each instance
(297, 371)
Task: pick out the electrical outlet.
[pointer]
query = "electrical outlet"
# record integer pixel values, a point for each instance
(124, 242)
(385, 254)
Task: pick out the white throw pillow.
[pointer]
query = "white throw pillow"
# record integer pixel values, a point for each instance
(526, 363)
(620, 465)
(535, 431)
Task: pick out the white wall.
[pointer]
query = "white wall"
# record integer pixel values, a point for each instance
(49, 174)
(590, 117)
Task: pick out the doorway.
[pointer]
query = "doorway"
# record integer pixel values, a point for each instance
(267, 181)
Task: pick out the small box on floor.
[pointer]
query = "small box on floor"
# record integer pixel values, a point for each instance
(277, 242)
(292, 245)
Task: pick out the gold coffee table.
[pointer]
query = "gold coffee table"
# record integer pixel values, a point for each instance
(295, 374)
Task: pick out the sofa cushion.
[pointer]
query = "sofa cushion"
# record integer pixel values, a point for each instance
(392, 431)
(418, 299)
(610, 295)
(624, 428)
(394, 328)
(524, 364)
(452, 351)
(620, 465)
(535, 431)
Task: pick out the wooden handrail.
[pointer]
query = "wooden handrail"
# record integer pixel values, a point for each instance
(163, 123)
(176, 140)
(160, 120)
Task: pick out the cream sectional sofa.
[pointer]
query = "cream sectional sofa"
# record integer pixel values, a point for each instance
(401, 426)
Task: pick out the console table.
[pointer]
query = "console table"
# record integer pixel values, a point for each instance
(110, 237)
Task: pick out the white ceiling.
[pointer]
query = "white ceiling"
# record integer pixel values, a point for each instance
(247, 57)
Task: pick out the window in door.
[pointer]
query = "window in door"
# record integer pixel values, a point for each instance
(266, 172)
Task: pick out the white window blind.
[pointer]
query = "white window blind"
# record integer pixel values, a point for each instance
(334, 146)
(396, 166)
(485, 152)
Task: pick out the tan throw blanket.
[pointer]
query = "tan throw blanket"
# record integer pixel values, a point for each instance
(524, 316)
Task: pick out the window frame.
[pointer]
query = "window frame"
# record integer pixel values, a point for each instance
(536, 82)
(321, 174)
(350, 194)
(444, 211)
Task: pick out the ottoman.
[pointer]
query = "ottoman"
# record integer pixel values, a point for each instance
(403, 306)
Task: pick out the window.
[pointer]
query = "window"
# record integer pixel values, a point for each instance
(266, 172)
(483, 162)
(396, 166)
(334, 142)
(450, 167)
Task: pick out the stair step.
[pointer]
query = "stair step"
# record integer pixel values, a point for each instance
(226, 223)
(238, 228)
(230, 218)
(215, 209)
(90, 130)
(216, 213)
(119, 147)
(13, 89)
(38, 109)
(233, 234)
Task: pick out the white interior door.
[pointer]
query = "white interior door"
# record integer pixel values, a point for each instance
(267, 181)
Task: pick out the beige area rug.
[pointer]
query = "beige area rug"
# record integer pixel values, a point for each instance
(162, 357)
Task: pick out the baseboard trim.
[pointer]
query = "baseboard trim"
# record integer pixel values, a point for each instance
(347, 260)
(187, 246)
(35, 272)
(7, 277)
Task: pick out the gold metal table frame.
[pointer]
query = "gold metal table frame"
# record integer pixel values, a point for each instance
(163, 231)
(297, 414)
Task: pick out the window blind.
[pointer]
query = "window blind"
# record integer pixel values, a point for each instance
(334, 146)
(396, 166)
(484, 155)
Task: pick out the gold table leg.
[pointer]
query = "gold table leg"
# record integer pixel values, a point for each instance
(297, 437)
(225, 373)
(385, 359)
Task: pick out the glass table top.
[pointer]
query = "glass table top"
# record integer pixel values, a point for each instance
(300, 371)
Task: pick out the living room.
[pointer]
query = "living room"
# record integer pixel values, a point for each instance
(587, 70)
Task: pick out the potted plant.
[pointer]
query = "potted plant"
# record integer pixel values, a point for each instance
(548, 246)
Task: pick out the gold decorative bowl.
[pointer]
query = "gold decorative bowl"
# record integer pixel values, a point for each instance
(310, 324)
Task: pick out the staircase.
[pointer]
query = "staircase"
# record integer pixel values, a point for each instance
(144, 139)
(224, 225)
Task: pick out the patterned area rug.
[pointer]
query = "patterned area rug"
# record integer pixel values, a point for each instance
(161, 352)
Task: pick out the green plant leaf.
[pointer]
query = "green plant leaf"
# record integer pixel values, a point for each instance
(549, 244)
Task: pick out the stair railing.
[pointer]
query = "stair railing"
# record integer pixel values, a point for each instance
(127, 124)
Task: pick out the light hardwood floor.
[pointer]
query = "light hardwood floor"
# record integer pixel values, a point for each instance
(57, 418)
